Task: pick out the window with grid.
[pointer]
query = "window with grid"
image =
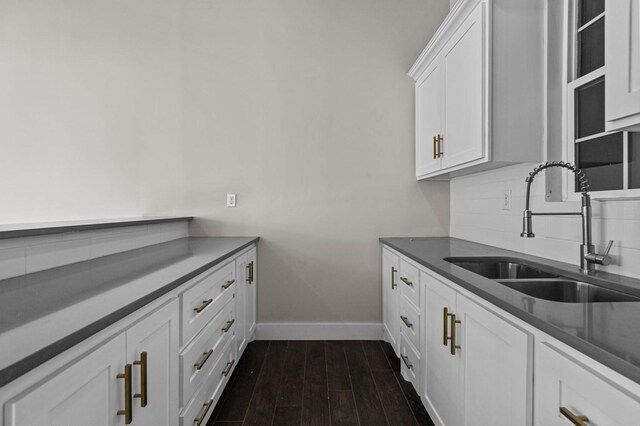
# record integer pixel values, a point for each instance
(611, 160)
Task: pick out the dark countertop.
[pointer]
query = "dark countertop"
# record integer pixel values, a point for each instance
(608, 332)
(20, 230)
(45, 313)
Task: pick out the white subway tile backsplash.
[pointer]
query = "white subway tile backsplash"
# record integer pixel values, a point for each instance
(477, 215)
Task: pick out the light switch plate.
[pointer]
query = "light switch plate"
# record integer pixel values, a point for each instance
(231, 200)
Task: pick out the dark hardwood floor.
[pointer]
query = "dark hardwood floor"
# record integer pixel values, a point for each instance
(340, 383)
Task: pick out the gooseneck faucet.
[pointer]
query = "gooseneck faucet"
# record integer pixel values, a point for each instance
(588, 257)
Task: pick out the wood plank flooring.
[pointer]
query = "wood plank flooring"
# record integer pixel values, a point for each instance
(317, 383)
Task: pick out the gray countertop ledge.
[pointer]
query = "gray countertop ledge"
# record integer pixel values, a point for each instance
(21, 230)
(607, 332)
(45, 313)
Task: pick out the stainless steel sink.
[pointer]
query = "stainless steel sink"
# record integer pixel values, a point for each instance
(497, 268)
(568, 291)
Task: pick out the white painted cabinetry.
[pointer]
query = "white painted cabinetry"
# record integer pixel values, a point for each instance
(477, 363)
(166, 365)
(479, 366)
(571, 389)
(480, 89)
(409, 313)
(622, 61)
(246, 267)
(390, 298)
(134, 374)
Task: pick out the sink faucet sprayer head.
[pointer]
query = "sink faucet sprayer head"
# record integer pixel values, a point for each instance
(527, 223)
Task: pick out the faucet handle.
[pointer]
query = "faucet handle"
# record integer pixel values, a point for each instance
(600, 259)
(608, 249)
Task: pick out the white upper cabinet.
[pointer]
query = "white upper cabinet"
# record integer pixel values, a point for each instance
(480, 89)
(622, 62)
(463, 69)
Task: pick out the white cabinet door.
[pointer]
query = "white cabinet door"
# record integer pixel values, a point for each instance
(440, 373)
(428, 119)
(152, 349)
(86, 393)
(565, 384)
(622, 58)
(390, 298)
(250, 295)
(494, 372)
(241, 289)
(463, 68)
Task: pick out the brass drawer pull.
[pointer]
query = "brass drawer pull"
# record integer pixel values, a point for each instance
(576, 420)
(440, 153)
(454, 346)
(228, 284)
(393, 278)
(445, 326)
(203, 306)
(143, 379)
(205, 356)
(250, 272)
(127, 413)
(228, 325)
(406, 362)
(228, 368)
(406, 281)
(435, 152)
(205, 409)
(406, 321)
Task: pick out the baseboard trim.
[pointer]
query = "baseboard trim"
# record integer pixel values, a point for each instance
(319, 331)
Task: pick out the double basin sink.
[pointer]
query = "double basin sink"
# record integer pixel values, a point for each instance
(539, 283)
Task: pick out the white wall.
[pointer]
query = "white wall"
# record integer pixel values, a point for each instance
(304, 109)
(90, 109)
(477, 215)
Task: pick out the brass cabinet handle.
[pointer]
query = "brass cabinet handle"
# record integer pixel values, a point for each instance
(440, 153)
(228, 368)
(393, 278)
(406, 362)
(250, 272)
(205, 409)
(454, 346)
(205, 356)
(435, 152)
(406, 281)
(445, 326)
(576, 420)
(406, 321)
(228, 284)
(228, 325)
(127, 413)
(203, 306)
(143, 379)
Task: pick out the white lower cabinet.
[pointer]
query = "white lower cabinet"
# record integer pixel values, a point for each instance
(131, 379)
(141, 375)
(390, 298)
(476, 364)
(572, 391)
(477, 368)
(246, 272)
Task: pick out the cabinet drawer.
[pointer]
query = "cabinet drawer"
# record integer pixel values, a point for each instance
(410, 323)
(562, 382)
(410, 282)
(198, 411)
(205, 299)
(199, 357)
(409, 363)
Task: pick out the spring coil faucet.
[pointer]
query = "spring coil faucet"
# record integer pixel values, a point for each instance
(588, 257)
